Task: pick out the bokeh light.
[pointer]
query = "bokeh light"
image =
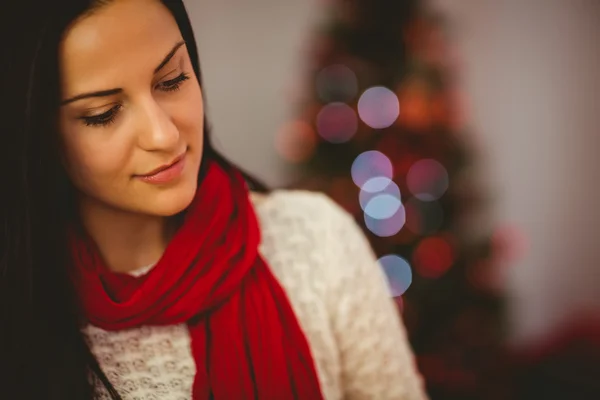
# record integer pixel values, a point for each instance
(368, 192)
(336, 83)
(423, 217)
(381, 201)
(382, 206)
(376, 184)
(378, 107)
(337, 122)
(427, 180)
(371, 164)
(398, 273)
(415, 105)
(386, 227)
(296, 141)
(432, 257)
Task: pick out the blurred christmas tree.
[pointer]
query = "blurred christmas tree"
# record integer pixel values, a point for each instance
(381, 131)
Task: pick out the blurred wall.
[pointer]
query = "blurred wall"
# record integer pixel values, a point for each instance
(531, 71)
(251, 56)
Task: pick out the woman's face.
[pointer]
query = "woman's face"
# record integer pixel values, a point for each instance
(132, 106)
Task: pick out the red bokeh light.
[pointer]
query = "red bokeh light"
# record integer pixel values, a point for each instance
(296, 141)
(433, 257)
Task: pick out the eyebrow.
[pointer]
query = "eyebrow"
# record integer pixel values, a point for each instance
(110, 92)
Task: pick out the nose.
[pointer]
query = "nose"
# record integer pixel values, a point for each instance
(157, 131)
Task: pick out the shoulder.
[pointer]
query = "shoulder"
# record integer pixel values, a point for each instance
(290, 200)
(304, 224)
(298, 212)
(309, 239)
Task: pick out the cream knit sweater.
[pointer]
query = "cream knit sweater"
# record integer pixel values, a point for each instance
(339, 295)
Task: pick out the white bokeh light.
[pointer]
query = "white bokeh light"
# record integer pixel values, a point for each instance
(371, 164)
(388, 197)
(398, 272)
(376, 184)
(378, 107)
(386, 227)
(382, 206)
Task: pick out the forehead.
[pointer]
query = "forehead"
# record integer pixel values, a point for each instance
(122, 38)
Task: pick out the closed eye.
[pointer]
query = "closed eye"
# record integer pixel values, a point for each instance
(173, 84)
(103, 119)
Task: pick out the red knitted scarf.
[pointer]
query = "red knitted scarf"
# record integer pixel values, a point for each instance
(246, 341)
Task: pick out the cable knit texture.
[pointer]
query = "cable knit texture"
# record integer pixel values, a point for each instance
(339, 295)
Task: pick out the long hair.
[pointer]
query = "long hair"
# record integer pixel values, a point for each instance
(43, 354)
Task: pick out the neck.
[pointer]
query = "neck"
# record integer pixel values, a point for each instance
(126, 241)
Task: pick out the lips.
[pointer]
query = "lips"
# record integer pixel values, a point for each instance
(163, 167)
(166, 173)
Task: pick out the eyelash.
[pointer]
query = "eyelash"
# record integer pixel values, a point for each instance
(174, 84)
(109, 116)
(104, 119)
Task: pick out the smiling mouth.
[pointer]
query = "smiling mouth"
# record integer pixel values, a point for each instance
(165, 174)
(162, 167)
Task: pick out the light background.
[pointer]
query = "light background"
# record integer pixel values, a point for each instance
(531, 74)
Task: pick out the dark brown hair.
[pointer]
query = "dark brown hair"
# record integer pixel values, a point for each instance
(43, 354)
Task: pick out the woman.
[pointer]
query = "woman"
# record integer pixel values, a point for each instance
(135, 264)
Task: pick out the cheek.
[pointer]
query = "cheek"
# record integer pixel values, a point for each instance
(92, 161)
(189, 118)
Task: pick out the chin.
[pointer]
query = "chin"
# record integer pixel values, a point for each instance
(172, 201)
